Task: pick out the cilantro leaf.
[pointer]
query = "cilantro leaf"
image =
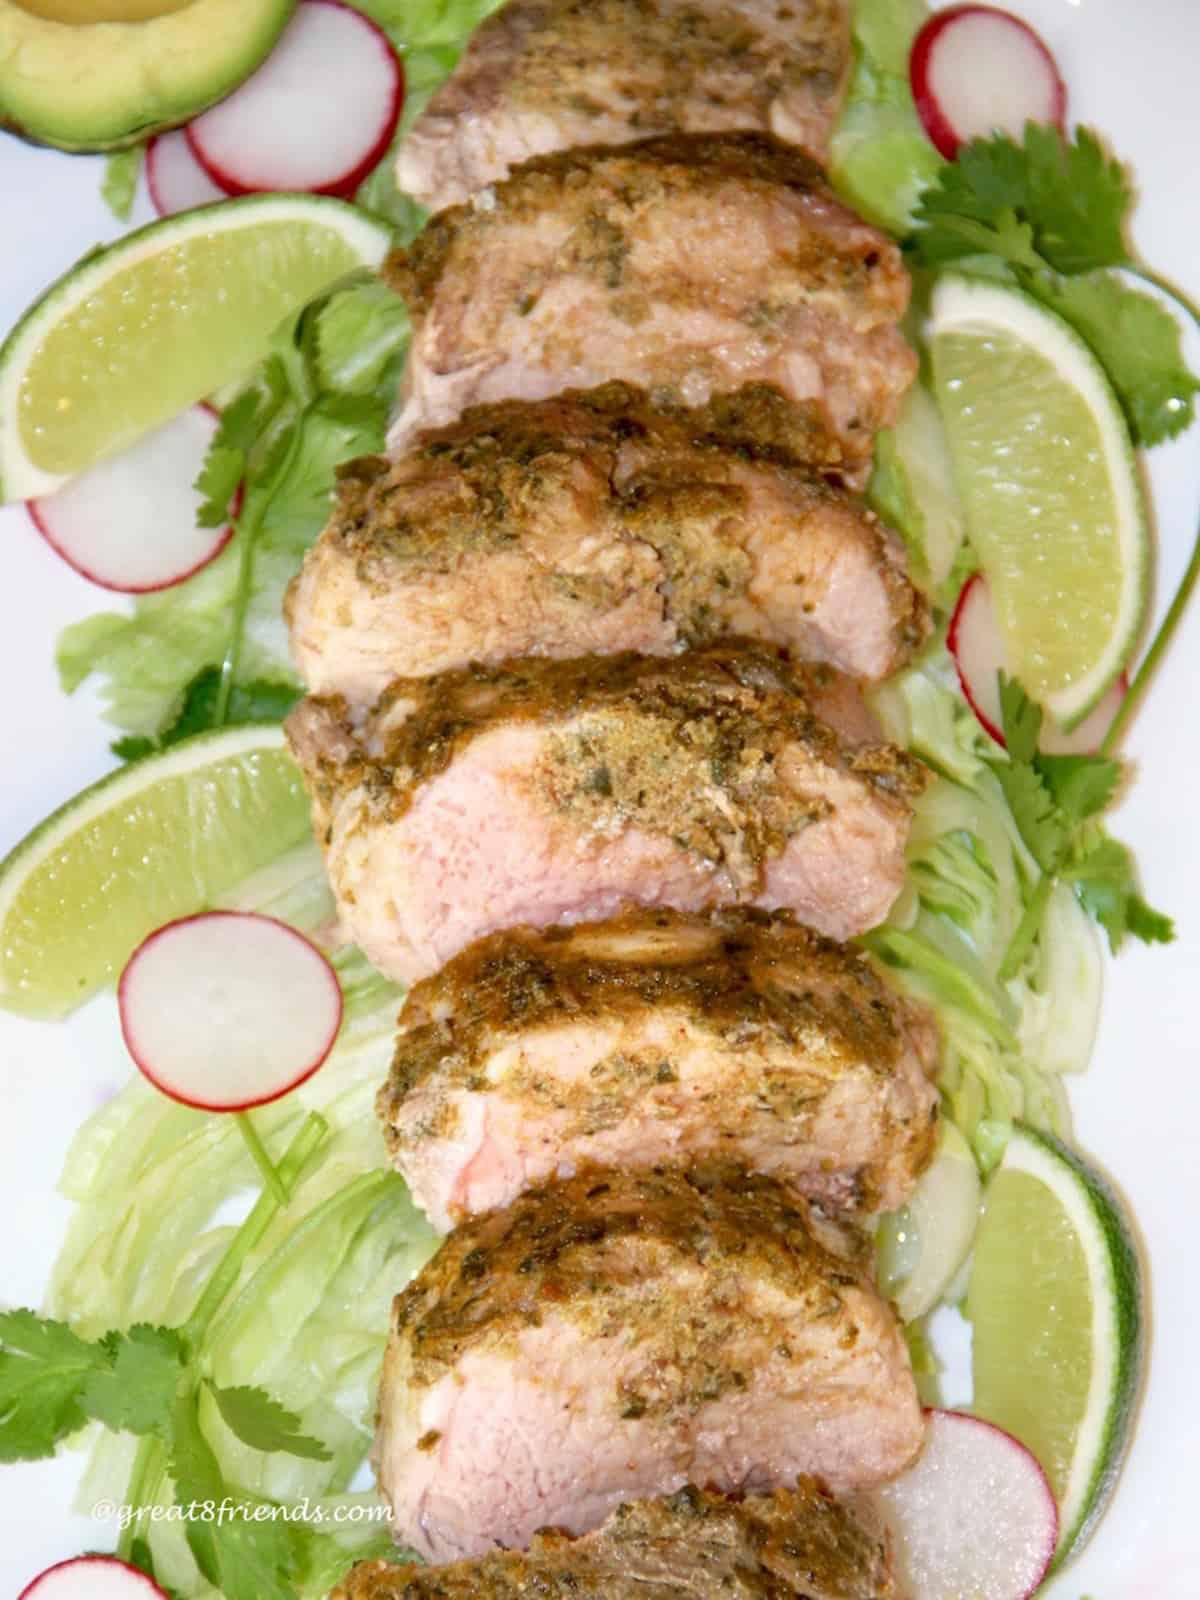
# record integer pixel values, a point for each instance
(225, 462)
(1077, 199)
(1105, 879)
(245, 1558)
(44, 1367)
(1082, 786)
(1039, 821)
(1021, 720)
(136, 1393)
(1047, 202)
(1049, 215)
(1137, 342)
(257, 701)
(264, 1424)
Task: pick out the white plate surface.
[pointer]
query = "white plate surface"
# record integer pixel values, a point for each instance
(1131, 72)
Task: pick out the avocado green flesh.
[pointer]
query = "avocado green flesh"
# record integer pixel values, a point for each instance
(96, 85)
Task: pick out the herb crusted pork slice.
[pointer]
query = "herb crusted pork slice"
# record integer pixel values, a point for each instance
(690, 265)
(552, 792)
(618, 1335)
(597, 521)
(656, 1037)
(795, 1544)
(543, 75)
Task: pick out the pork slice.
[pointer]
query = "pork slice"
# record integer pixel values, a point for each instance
(656, 1037)
(555, 792)
(691, 265)
(544, 75)
(796, 1544)
(618, 1335)
(595, 522)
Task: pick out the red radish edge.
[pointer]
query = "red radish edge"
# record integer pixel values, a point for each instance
(78, 1590)
(129, 1002)
(970, 596)
(973, 640)
(947, 1486)
(340, 186)
(46, 510)
(922, 73)
(176, 180)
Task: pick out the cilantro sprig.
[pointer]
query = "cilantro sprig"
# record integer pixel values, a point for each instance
(153, 1382)
(1051, 215)
(1055, 802)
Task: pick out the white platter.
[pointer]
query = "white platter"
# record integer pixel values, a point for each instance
(1131, 72)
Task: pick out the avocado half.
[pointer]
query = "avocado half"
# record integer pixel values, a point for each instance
(99, 74)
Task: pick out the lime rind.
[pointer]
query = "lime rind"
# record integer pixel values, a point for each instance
(204, 756)
(20, 476)
(983, 308)
(1115, 1278)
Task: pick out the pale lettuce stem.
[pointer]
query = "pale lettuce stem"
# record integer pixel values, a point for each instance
(149, 1463)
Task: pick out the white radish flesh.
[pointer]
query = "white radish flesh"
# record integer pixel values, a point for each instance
(974, 641)
(129, 523)
(976, 71)
(228, 1010)
(973, 1516)
(317, 115)
(176, 180)
(92, 1578)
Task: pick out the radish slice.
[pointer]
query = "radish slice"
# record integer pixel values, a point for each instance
(176, 180)
(92, 1578)
(317, 115)
(129, 523)
(974, 1515)
(974, 641)
(976, 71)
(228, 1009)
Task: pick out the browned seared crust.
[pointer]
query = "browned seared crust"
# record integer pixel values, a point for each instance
(571, 509)
(564, 1244)
(664, 737)
(789, 1017)
(586, 183)
(795, 1544)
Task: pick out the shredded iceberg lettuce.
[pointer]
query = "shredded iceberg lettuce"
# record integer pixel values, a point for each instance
(1006, 1044)
(158, 1190)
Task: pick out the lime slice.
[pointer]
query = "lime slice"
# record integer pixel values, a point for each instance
(1046, 473)
(154, 841)
(1055, 1299)
(137, 332)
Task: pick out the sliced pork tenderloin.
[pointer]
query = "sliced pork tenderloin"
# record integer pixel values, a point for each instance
(690, 265)
(597, 521)
(656, 1037)
(618, 1335)
(555, 792)
(544, 75)
(796, 1544)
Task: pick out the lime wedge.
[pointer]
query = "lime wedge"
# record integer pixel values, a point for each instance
(137, 332)
(154, 841)
(1055, 1300)
(1045, 469)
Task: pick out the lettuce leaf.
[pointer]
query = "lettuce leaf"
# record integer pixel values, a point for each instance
(429, 35)
(1005, 1042)
(880, 158)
